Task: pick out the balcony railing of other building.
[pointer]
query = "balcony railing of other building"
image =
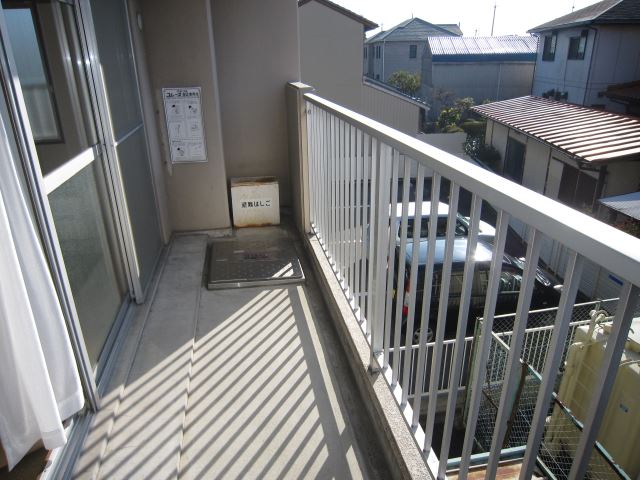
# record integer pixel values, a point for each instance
(353, 173)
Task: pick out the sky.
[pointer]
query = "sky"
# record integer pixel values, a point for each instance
(513, 17)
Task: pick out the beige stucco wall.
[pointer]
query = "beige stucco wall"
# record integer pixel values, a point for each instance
(257, 54)
(331, 49)
(180, 53)
(390, 109)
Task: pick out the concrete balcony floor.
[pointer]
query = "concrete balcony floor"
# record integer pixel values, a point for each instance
(243, 383)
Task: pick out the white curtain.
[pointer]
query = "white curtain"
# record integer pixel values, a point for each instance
(39, 382)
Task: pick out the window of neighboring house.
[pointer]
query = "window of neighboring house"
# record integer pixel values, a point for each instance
(514, 160)
(577, 46)
(365, 52)
(549, 48)
(577, 189)
(377, 51)
(413, 51)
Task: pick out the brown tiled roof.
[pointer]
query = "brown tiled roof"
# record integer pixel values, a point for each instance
(584, 133)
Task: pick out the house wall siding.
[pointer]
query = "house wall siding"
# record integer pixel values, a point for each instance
(395, 57)
(562, 74)
(612, 56)
(616, 59)
(483, 80)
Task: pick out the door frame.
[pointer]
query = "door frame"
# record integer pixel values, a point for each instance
(38, 189)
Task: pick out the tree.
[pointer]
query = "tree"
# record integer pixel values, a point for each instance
(452, 117)
(406, 82)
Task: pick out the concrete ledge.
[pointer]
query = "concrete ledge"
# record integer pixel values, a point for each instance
(404, 457)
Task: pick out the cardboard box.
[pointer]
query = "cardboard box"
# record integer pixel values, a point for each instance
(255, 201)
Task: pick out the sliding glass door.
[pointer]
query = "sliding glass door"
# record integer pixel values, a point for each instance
(50, 62)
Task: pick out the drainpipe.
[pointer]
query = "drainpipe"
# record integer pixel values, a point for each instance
(586, 85)
(383, 46)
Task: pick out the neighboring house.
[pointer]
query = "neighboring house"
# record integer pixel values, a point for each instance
(331, 40)
(583, 53)
(567, 152)
(483, 68)
(401, 47)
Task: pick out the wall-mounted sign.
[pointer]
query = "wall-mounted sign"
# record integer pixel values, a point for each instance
(183, 112)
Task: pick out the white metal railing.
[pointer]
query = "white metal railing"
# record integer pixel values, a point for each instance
(356, 172)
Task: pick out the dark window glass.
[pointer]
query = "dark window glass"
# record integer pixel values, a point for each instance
(365, 52)
(514, 160)
(577, 189)
(577, 46)
(413, 51)
(549, 48)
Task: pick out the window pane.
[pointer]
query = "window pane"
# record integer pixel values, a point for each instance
(514, 161)
(97, 282)
(116, 57)
(34, 80)
(136, 174)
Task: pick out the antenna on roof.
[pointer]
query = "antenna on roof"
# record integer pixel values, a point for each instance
(493, 22)
(573, 7)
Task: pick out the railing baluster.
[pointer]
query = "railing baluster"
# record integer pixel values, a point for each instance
(391, 263)
(552, 362)
(340, 202)
(359, 217)
(445, 281)
(413, 283)
(366, 234)
(425, 316)
(345, 208)
(333, 192)
(606, 378)
(370, 162)
(322, 181)
(512, 371)
(382, 178)
(352, 221)
(406, 184)
(480, 363)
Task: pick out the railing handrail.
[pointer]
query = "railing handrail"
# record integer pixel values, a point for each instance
(617, 251)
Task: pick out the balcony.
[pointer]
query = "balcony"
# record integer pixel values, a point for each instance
(324, 379)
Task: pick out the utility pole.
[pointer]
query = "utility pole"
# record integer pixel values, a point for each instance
(493, 22)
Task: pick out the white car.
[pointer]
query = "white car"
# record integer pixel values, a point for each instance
(463, 224)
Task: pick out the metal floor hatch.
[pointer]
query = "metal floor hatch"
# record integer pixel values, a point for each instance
(251, 263)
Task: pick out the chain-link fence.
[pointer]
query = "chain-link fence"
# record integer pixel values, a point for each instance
(560, 441)
(563, 430)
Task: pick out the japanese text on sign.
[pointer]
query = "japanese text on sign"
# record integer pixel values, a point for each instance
(182, 107)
